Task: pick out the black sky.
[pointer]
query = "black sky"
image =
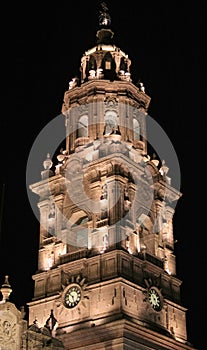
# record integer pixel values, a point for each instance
(41, 52)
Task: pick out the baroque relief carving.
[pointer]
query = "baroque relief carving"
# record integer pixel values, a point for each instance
(111, 103)
(7, 333)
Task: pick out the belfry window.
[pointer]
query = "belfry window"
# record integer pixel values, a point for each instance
(136, 129)
(109, 67)
(123, 64)
(82, 130)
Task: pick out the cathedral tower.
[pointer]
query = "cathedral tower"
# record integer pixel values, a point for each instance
(106, 275)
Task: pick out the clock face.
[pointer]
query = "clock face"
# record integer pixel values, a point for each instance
(72, 296)
(155, 299)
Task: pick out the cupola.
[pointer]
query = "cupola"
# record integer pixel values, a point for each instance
(105, 60)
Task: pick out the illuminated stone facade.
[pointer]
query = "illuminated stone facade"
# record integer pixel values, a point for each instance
(106, 274)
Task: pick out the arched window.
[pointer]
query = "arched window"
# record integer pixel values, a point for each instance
(82, 126)
(123, 64)
(136, 129)
(109, 67)
(110, 122)
(90, 65)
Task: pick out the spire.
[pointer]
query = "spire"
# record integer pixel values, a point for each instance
(105, 34)
(6, 289)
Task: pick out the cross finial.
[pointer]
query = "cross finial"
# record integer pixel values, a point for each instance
(104, 6)
(104, 18)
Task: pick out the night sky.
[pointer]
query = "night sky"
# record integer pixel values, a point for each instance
(41, 49)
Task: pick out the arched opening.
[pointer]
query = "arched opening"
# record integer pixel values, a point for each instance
(91, 66)
(82, 127)
(110, 122)
(136, 129)
(109, 67)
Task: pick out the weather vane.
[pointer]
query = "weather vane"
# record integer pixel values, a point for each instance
(104, 18)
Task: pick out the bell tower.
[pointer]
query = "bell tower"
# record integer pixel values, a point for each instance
(106, 275)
